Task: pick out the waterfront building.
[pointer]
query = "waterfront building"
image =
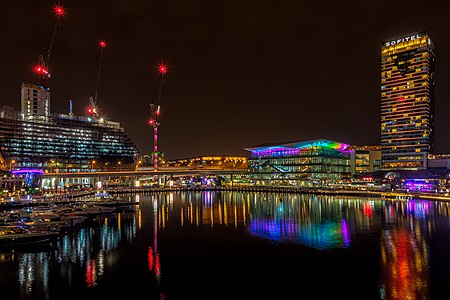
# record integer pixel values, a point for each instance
(58, 142)
(407, 102)
(364, 159)
(64, 143)
(299, 163)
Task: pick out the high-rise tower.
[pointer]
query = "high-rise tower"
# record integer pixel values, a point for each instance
(407, 102)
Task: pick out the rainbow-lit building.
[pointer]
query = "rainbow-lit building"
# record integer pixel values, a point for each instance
(299, 164)
(407, 102)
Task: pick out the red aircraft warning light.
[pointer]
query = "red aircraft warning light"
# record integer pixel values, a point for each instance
(102, 44)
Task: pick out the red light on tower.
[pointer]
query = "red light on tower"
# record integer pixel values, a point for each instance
(162, 68)
(150, 122)
(102, 44)
(59, 11)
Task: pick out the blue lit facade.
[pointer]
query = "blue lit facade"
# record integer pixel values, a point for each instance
(299, 164)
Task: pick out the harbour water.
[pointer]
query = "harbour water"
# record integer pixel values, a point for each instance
(243, 245)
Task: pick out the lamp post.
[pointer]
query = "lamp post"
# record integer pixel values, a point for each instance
(138, 164)
(92, 165)
(11, 163)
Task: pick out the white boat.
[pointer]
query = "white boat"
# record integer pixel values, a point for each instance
(106, 199)
(17, 236)
(51, 221)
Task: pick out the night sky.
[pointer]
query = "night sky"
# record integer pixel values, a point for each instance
(241, 73)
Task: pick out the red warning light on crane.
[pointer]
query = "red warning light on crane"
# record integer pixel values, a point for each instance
(162, 68)
(59, 10)
(102, 44)
(40, 70)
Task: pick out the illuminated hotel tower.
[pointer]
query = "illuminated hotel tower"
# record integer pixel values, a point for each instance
(407, 102)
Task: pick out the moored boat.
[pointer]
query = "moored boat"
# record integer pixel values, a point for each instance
(17, 236)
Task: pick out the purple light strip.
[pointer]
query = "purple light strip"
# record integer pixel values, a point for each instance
(24, 171)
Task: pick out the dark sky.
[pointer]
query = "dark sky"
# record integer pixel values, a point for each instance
(241, 72)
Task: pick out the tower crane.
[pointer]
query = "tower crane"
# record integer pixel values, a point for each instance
(42, 68)
(155, 110)
(92, 108)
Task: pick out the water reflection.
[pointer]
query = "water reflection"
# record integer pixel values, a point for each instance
(316, 222)
(404, 265)
(154, 264)
(399, 232)
(322, 222)
(404, 250)
(91, 249)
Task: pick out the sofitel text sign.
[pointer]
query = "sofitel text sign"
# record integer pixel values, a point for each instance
(402, 40)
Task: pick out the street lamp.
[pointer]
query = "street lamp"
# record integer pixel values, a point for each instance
(12, 162)
(138, 164)
(92, 165)
(119, 163)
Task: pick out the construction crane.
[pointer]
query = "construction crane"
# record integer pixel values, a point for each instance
(92, 108)
(42, 68)
(155, 110)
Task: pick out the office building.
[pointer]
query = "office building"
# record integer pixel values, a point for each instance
(364, 159)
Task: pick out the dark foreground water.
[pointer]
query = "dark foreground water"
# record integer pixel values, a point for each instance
(233, 245)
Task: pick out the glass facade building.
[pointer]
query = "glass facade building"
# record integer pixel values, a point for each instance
(407, 102)
(65, 142)
(299, 164)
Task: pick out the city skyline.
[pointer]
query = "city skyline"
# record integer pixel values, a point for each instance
(238, 75)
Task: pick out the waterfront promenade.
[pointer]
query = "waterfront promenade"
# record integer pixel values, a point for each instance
(61, 198)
